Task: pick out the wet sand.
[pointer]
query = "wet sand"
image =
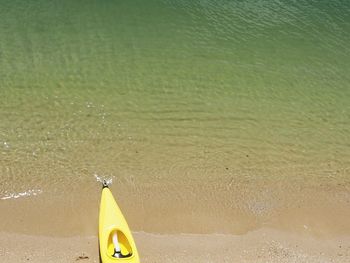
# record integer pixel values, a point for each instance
(38, 229)
(263, 245)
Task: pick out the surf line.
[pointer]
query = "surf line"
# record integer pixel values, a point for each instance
(31, 192)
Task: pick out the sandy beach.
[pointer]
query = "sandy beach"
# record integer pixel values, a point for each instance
(34, 230)
(263, 245)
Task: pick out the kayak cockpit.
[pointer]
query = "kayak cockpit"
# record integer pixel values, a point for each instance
(118, 245)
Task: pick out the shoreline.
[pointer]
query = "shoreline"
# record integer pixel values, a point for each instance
(262, 245)
(310, 211)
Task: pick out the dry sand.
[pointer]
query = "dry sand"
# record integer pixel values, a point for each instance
(263, 245)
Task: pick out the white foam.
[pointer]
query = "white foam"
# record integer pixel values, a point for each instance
(31, 192)
(100, 179)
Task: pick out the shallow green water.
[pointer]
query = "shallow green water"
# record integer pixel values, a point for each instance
(223, 106)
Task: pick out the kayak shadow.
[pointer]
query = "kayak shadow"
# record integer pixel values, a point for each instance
(99, 253)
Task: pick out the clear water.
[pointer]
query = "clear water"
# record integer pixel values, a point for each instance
(210, 116)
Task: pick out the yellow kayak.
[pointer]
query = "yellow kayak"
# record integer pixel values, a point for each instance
(116, 241)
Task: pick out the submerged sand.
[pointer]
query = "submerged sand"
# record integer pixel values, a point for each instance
(263, 245)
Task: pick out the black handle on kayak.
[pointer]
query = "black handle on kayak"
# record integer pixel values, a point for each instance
(104, 184)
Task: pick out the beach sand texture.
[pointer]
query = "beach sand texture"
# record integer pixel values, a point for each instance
(264, 245)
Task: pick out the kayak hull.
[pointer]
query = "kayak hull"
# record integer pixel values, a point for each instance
(112, 221)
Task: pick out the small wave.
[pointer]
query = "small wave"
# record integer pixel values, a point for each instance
(101, 179)
(31, 192)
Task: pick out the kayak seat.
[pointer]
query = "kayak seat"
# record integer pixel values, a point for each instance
(126, 250)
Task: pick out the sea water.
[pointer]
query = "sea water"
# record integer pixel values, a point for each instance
(209, 115)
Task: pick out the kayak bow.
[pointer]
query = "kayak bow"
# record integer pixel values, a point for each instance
(116, 241)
